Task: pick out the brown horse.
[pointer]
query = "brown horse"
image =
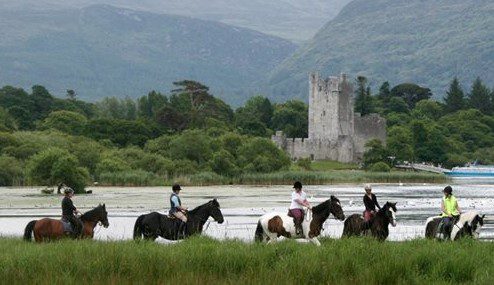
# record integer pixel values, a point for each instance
(378, 225)
(51, 229)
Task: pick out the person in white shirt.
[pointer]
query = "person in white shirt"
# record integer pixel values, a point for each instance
(296, 210)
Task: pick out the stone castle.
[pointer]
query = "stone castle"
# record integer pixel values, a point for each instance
(335, 131)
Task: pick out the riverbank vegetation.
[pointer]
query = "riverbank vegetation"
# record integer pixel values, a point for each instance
(201, 260)
(190, 136)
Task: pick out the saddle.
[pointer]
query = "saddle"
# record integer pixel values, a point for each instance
(67, 226)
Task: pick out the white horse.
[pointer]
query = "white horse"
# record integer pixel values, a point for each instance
(273, 225)
(469, 224)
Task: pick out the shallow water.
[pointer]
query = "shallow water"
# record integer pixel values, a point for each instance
(242, 206)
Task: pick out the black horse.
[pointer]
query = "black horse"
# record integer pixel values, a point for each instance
(378, 225)
(154, 224)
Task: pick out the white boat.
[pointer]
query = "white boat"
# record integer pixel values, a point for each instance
(472, 171)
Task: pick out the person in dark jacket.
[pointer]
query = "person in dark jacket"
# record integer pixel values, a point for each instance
(69, 211)
(370, 202)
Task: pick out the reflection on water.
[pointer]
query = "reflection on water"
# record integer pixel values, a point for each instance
(242, 205)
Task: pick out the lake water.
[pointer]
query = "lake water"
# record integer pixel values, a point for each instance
(242, 206)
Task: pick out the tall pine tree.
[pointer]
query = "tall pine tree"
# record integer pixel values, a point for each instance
(363, 100)
(455, 98)
(480, 97)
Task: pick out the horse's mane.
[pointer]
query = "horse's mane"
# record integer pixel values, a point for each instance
(91, 215)
(467, 217)
(324, 205)
(208, 204)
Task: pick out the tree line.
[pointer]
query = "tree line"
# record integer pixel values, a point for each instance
(451, 132)
(45, 140)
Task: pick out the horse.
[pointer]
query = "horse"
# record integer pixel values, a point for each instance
(273, 225)
(468, 225)
(154, 224)
(51, 229)
(378, 225)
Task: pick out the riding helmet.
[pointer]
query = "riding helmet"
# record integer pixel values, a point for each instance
(176, 187)
(448, 190)
(297, 185)
(68, 190)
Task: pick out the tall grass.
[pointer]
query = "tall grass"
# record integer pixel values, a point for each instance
(205, 261)
(143, 178)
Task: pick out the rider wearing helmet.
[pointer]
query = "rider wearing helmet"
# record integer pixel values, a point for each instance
(176, 208)
(69, 211)
(299, 200)
(450, 211)
(370, 202)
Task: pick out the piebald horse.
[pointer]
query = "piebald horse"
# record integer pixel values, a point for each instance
(469, 224)
(273, 225)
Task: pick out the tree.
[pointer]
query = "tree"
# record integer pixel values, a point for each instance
(363, 100)
(480, 97)
(291, 117)
(400, 143)
(65, 121)
(261, 108)
(375, 153)
(53, 166)
(455, 98)
(262, 155)
(384, 93)
(411, 93)
(397, 105)
(223, 163)
(427, 109)
(148, 106)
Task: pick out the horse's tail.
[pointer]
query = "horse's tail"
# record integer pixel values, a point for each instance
(138, 227)
(28, 231)
(259, 232)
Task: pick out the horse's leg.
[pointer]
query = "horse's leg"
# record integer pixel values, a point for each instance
(316, 241)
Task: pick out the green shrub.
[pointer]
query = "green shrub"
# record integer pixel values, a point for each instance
(55, 165)
(10, 171)
(304, 163)
(223, 163)
(380, 167)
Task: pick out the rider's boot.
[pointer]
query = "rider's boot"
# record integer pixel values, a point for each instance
(181, 230)
(298, 229)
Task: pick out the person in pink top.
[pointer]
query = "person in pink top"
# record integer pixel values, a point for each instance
(299, 201)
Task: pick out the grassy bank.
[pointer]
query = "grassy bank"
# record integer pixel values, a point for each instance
(204, 261)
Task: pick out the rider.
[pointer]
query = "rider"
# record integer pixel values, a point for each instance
(370, 202)
(450, 212)
(176, 208)
(69, 211)
(299, 200)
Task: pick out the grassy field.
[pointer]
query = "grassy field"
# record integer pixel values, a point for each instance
(205, 261)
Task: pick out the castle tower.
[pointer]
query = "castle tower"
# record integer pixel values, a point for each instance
(331, 113)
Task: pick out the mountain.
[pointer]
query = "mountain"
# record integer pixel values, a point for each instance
(102, 50)
(296, 20)
(426, 42)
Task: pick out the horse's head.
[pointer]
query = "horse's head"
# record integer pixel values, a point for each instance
(215, 211)
(476, 224)
(336, 208)
(103, 216)
(97, 214)
(390, 212)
